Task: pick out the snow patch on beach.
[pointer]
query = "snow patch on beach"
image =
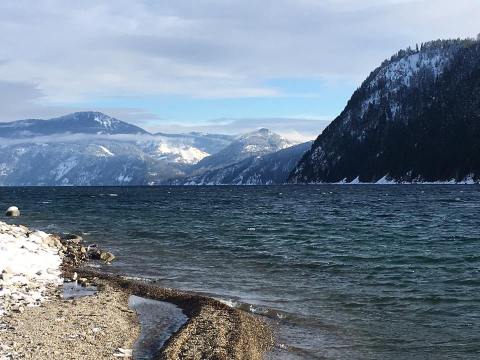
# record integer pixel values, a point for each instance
(29, 265)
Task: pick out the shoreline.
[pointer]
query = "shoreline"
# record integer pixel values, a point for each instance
(213, 329)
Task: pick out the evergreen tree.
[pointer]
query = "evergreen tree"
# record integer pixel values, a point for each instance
(411, 120)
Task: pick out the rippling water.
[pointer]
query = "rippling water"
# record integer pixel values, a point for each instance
(347, 272)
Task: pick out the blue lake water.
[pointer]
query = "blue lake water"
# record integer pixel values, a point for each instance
(346, 272)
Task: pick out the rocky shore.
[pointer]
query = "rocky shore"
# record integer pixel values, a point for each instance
(30, 267)
(37, 323)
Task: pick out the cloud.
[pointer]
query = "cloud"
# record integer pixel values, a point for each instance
(297, 129)
(77, 138)
(56, 53)
(22, 100)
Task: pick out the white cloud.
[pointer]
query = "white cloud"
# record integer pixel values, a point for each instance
(297, 129)
(63, 52)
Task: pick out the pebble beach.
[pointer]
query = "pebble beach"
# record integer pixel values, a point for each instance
(37, 321)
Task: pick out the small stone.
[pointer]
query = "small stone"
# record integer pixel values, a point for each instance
(72, 238)
(107, 256)
(12, 211)
(94, 254)
(57, 243)
(83, 281)
(125, 353)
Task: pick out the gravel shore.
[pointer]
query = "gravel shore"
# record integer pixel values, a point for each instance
(38, 324)
(214, 330)
(90, 328)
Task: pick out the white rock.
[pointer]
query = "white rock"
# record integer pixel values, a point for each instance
(126, 353)
(12, 211)
(27, 267)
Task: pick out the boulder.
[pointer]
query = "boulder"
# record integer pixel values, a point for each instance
(107, 256)
(71, 238)
(12, 211)
(94, 254)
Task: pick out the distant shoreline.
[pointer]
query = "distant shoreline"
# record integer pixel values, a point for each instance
(239, 186)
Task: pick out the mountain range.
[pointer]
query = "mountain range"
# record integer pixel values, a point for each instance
(91, 148)
(415, 119)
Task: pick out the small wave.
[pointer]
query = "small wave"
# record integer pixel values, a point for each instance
(229, 302)
(113, 195)
(137, 278)
(264, 311)
(254, 309)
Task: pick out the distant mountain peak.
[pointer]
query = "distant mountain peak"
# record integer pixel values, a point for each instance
(256, 143)
(261, 131)
(95, 117)
(84, 122)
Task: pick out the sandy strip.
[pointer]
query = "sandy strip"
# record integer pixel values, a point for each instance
(214, 330)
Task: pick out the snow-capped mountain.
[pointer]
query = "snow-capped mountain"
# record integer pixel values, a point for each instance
(269, 169)
(83, 163)
(416, 118)
(87, 122)
(91, 148)
(257, 143)
(97, 161)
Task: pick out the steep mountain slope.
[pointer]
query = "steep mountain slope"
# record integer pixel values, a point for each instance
(256, 143)
(268, 169)
(88, 122)
(415, 118)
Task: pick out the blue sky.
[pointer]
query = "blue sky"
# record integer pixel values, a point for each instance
(296, 98)
(211, 65)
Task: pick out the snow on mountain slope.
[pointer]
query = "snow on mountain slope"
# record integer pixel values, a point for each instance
(72, 164)
(178, 149)
(257, 143)
(88, 122)
(269, 169)
(91, 148)
(414, 119)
